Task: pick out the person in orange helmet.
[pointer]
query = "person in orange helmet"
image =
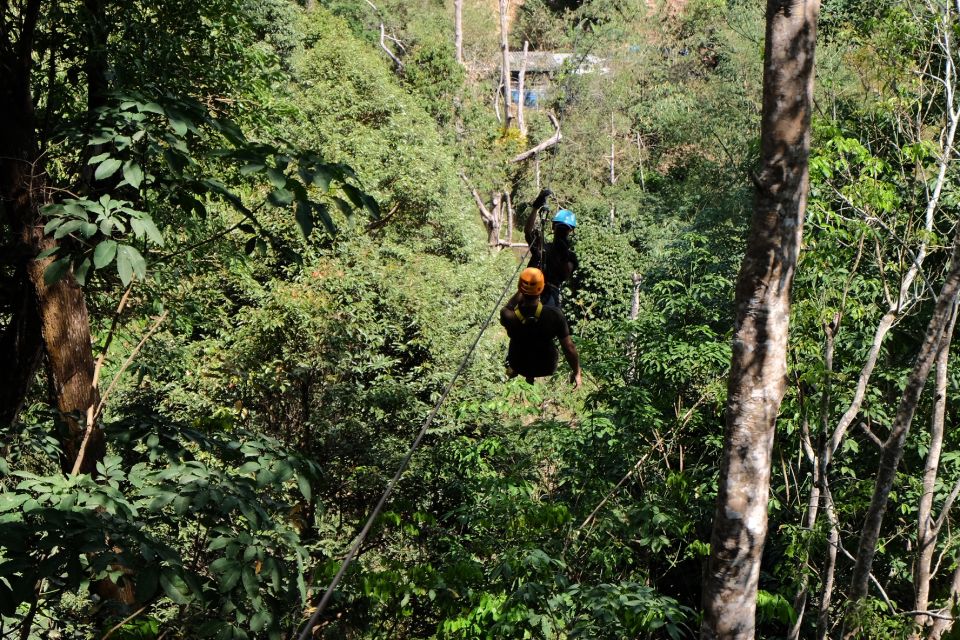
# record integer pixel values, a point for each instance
(533, 327)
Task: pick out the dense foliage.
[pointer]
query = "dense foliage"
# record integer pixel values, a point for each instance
(273, 226)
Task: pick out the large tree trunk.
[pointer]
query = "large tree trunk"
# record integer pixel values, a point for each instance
(21, 340)
(758, 368)
(893, 446)
(55, 312)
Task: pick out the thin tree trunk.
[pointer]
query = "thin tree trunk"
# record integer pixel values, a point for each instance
(643, 182)
(613, 153)
(926, 533)
(505, 65)
(829, 566)
(813, 504)
(521, 99)
(762, 301)
(634, 313)
(941, 625)
(509, 219)
(457, 29)
(496, 212)
(893, 447)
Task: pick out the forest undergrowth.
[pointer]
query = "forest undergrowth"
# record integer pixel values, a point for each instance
(265, 217)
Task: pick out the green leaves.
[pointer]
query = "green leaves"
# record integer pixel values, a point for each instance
(97, 224)
(107, 168)
(130, 263)
(132, 174)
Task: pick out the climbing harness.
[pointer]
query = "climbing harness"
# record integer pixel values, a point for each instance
(534, 318)
(307, 631)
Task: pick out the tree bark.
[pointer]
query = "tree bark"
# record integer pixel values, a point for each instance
(21, 340)
(893, 446)
(758, 368)
(942, 625)
(54, 314)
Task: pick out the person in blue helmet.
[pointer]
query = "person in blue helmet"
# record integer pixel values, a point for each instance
(556, 259)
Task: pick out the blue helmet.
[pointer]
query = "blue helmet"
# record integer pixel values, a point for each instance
(565, 216)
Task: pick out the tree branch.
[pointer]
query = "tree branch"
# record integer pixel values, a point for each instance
(484, 211)
(383, 45)
(543, 146)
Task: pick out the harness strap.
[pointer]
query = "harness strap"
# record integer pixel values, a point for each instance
(535, 317)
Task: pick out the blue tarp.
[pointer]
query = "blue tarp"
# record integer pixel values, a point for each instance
(531, 97)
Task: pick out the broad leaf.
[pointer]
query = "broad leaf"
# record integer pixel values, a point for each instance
(104, 253)
(305, 218)
(107, 168)
(133, 174)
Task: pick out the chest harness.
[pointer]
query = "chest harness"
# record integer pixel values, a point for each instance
(534, 318)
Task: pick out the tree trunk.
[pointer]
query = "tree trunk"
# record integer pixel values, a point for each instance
(55, 312)
(521, 98)
(496, 213)
(505, 65)
(458, 29)
(21, 340)
(893, 447)
(926, 532)
(829, 566)
(942, 625)
(758, 368)
(813, 503)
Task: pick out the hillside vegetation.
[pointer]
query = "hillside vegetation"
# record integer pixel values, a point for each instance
(266, 228)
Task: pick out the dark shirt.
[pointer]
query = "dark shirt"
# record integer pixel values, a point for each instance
(533, 351)
(553, 261)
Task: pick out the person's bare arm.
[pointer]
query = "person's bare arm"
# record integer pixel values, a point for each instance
(534, 212)
(573, 359)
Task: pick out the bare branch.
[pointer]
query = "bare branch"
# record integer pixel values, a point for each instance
(543, 146)
(383, 45)
(870, 434)
(484, 211)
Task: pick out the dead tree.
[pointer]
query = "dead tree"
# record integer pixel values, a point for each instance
(762, 301)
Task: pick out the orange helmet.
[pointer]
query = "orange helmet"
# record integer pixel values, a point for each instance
(531, 281)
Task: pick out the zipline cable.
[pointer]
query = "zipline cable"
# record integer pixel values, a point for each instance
(352, 553)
